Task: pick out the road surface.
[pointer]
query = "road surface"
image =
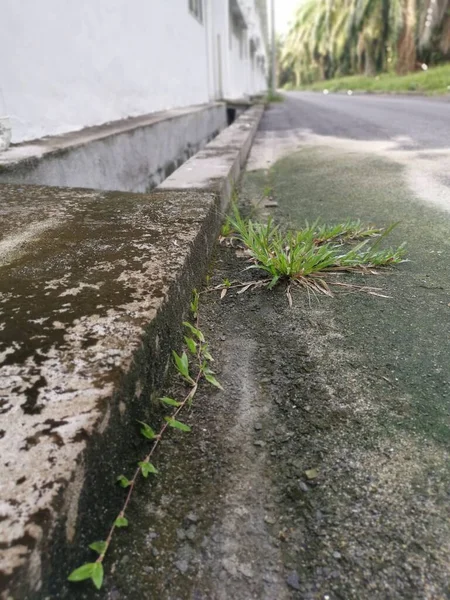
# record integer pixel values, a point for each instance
(366, 117)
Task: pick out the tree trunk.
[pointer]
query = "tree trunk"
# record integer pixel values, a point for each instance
(406, 47)
(359, 59)
(370, 65)
(323, 68)
(444, 45)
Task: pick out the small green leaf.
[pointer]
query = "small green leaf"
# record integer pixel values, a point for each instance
(177, 424)
(147, 431)
(206, 354)
(195, 302)
(170, 401)
(212, 380)
(124, 482)
(274, 281)
(146, 468)
(182, 364)
(121, 522)
(97, 575)
(99, 547)
(192, 346)
(198, 334)
(82, 573)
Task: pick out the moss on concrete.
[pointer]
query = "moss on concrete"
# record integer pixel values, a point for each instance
(92, 295)
(404, 338)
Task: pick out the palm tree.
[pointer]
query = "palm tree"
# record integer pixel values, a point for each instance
(316, 39)
(330, 37)
(369, 29)
(434, 27)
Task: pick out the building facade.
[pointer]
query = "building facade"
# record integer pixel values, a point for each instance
(72, 65)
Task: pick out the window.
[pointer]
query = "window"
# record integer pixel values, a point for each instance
(196, 9)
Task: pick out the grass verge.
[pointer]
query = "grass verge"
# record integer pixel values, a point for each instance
(273, 97)
(435, 80)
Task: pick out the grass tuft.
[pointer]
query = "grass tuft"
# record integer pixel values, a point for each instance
(307, 256)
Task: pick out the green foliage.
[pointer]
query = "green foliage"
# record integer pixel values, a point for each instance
(206, 354)
(209, 376)
(182, 365)
(195, 331)
(177, 424)
(299, 256)
(201, 356)
(344, 232)
(274, 97)
(93, 571)
(147, 468)
(97, 575)
(226, 229)
(435, 80)
(343, 37)
(121, 521)
(195, 303)
(191, 344)
(147, 431)
(99, 547)
(124, 482)
(170, 401)
(267, 191)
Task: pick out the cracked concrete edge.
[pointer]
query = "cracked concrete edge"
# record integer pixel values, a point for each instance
(79, 506)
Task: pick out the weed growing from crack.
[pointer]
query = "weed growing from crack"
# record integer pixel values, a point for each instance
(309, 256)
(198, 349)
(226, 229)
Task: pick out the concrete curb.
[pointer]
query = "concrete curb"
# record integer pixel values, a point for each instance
(218, 165)
(94, 286)
(132, 155)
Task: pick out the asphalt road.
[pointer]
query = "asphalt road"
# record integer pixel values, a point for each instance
(410, 132)
(371, 399)
(426, 121)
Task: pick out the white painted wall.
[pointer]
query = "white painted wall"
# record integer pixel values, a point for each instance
(241, 75)
(73, 64)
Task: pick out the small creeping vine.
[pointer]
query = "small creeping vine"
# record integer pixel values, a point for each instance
(198, 348)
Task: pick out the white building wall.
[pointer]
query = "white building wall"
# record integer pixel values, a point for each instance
(242, 75)
(72, 64)
(239, 71)
(217, 24)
